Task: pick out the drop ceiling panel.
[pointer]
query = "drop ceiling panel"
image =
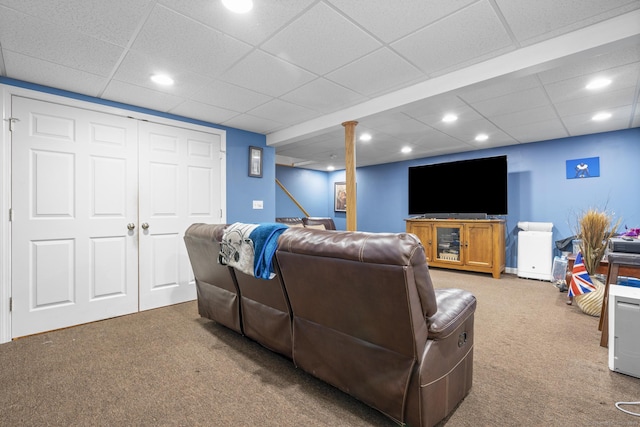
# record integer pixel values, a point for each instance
(137, 69)
(535, 21)
(114, 21)
(184, 42)
(53, 75)
(342, 41)
(205, 112)
(232, 97)
(516, 101)
(376, 73)
(61, 45)
(376, 15)
(283, 112)
(140, 96)
(267, 74)
(467, 36)
(253, 28)
(538, 131)
(324, 96)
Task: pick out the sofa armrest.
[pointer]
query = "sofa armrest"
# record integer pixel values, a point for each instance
(454, 307)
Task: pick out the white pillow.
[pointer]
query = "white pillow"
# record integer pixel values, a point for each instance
(317, 226)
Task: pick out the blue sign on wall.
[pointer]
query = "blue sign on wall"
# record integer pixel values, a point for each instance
(583, 168)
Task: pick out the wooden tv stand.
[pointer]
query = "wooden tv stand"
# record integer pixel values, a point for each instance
(471, 245)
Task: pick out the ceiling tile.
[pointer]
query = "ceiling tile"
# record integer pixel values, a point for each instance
(114, 21)
(137, 69)
(539, 131)
(267, 74)
(254, 27)
(465, 37)
(53, 75)
(30, 36)
(204, 112)
(379, 72)
(534, 21)
(252, 123)
(323, 95)
(231, 97)
(516, 101)
(140, 96)
(283, 112)
(621, 77)
(321, 40)
(596, 103)
(376, 15)
(185, 42)
(581, 124)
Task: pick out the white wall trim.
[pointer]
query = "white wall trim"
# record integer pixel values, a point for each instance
(6, 92)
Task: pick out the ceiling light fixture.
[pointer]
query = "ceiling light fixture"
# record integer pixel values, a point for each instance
(601, 116)
(162, 79)
(238, 6)
(331, 168)
(482, 137)
(449, 118)
(598, 83)
(365, 137)
(406, 150)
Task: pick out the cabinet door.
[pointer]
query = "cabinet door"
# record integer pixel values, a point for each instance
(479, 249)
(447, 244)
(424, 231)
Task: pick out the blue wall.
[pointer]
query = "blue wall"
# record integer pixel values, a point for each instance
(538, 188)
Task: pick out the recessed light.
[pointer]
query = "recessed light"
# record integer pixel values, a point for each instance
(406, 149)
(331, 168)
(162, 79)
(598, 83)
(365, 137)
(601, 116)
(482, 137)
(238, 6)
(449, 118)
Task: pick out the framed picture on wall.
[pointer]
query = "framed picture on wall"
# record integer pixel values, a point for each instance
(583, 168)
(340, 197)
(255, 162)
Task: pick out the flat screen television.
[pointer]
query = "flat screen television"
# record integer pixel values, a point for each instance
(465, 187)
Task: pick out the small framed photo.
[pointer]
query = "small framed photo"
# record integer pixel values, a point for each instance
(255, 162)
(340, 197)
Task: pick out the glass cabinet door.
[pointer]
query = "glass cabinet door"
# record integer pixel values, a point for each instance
(448, 240)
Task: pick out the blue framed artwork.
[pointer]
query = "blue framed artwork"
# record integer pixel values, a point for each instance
(583, 168)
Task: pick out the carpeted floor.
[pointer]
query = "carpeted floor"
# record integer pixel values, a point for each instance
(537, 363)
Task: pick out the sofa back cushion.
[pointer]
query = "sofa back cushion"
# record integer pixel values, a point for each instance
(359, 303)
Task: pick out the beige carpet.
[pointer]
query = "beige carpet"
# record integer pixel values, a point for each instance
(537, 363)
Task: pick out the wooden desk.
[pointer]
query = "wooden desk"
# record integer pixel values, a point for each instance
(622, 264)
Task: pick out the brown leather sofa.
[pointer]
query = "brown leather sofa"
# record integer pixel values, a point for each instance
(361, 313)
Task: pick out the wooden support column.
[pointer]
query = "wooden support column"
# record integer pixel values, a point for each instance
(350, 169)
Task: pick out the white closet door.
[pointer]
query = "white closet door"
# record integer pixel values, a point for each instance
(74, 190)
(180, 183)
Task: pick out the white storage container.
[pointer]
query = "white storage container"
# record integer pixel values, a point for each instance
(535, 250)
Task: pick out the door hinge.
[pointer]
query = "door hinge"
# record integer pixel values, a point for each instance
(10, 304)
(10, 214)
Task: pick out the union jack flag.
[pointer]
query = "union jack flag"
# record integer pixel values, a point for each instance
(580, 281)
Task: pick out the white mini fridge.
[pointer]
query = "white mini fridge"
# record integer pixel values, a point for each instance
(535, 250)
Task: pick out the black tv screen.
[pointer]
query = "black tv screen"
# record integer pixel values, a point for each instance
(477, 186)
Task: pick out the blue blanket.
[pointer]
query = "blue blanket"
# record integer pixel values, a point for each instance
(265, 242)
